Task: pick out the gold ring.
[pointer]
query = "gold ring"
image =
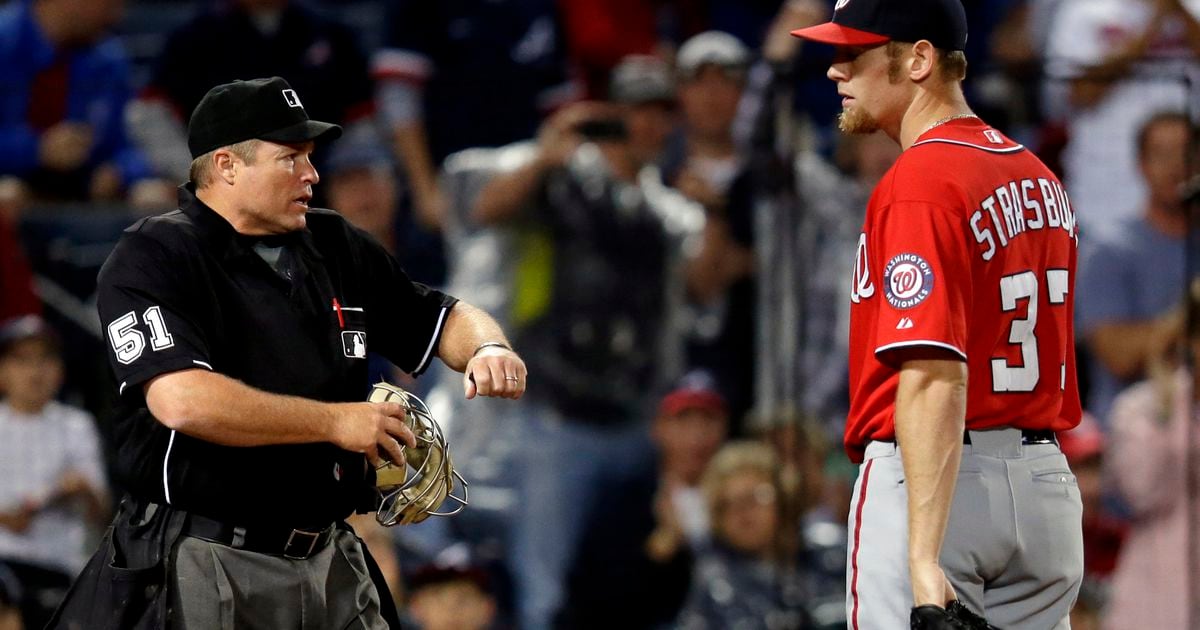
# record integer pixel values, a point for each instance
(511, 378)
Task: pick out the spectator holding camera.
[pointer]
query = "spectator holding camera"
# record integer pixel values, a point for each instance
(595, 297)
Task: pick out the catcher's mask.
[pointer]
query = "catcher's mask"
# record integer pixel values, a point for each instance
(406, 498)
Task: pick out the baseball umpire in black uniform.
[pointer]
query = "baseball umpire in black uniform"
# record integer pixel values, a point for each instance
(238, 327)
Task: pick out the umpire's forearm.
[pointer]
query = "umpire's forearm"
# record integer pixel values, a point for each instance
(223, 410)
(930, 416)
(466, 328)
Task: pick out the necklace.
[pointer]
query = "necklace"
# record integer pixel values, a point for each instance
(946, 120)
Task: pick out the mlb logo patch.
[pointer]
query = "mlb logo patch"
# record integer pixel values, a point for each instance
(354, 344)
(292, 99)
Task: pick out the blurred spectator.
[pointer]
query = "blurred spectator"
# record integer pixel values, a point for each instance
(1103, 533)
(1132, 275)
(17, 296)
(743, 580)
(633, 565)
(62, 101)
(1123, 60)
(600, 33)
(596, 313)
(450, 598)
(319, 58)
(1152, 458)
(817, 505)
(361, 184)
(53, 492)
(477, 73)
(706, 166)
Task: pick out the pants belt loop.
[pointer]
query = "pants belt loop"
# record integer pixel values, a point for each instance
(1002, 443)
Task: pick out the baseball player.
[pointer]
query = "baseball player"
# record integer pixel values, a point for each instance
(238, 327)
(961, 361)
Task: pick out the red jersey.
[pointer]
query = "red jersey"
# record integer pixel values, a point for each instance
(969, 245)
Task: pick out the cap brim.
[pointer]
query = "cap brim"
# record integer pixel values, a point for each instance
(679, 401)
(305, 131)
(838, 35)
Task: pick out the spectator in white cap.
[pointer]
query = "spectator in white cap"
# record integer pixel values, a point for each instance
(703, 165)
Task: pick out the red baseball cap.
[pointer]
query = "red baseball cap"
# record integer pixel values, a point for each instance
(696, 390)
(874, 22)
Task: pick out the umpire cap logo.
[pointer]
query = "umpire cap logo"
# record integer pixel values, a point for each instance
(292, 99)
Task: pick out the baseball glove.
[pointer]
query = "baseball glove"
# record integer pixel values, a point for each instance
(955, 616)
(406, 498)
(968, 618)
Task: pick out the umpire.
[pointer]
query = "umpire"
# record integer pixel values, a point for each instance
(238, 327)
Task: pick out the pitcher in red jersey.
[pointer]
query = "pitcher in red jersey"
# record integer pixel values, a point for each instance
(962, 360)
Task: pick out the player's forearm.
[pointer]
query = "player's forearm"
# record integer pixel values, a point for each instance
(222, 410)
(930, 417)
(466, 328)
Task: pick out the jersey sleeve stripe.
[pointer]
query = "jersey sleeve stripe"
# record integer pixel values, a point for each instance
(437, 333)
(166, 460)
(203, 365)
(920, 342)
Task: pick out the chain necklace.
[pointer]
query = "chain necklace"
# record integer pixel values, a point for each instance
(946, 120)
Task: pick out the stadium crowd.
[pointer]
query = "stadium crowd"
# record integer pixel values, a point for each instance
(652, 195)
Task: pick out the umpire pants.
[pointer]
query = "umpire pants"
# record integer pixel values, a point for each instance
(216, 587)
(1013, 548)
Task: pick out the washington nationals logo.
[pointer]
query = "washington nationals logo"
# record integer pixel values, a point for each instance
(909, 280)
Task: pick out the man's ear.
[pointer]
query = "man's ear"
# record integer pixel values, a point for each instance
(921, 64)
(225, 165)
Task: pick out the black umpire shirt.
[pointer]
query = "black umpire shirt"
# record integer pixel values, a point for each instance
(184, 290)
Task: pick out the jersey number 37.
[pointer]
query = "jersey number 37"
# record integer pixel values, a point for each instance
(1014, 289)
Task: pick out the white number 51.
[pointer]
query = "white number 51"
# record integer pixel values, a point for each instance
(129, 342)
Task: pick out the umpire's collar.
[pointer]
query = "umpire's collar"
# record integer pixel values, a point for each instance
(219, 234)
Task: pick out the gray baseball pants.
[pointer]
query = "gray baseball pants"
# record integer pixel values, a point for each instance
(1013, 548)
(221, 588)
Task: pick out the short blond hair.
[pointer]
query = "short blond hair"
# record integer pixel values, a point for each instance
(952, 64)
(735, 458)
(201, 172)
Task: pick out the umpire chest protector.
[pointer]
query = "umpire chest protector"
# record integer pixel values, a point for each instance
(293, 314)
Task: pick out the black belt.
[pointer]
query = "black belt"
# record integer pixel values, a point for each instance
(295, 544)
(1028, 436)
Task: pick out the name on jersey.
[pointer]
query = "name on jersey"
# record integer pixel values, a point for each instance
(1018, 207)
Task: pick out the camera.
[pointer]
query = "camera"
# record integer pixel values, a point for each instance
(603, 129)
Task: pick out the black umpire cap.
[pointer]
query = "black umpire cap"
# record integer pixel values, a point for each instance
(874, 22)
(262, 109)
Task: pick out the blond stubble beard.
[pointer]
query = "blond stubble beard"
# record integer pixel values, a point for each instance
(855, 121)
